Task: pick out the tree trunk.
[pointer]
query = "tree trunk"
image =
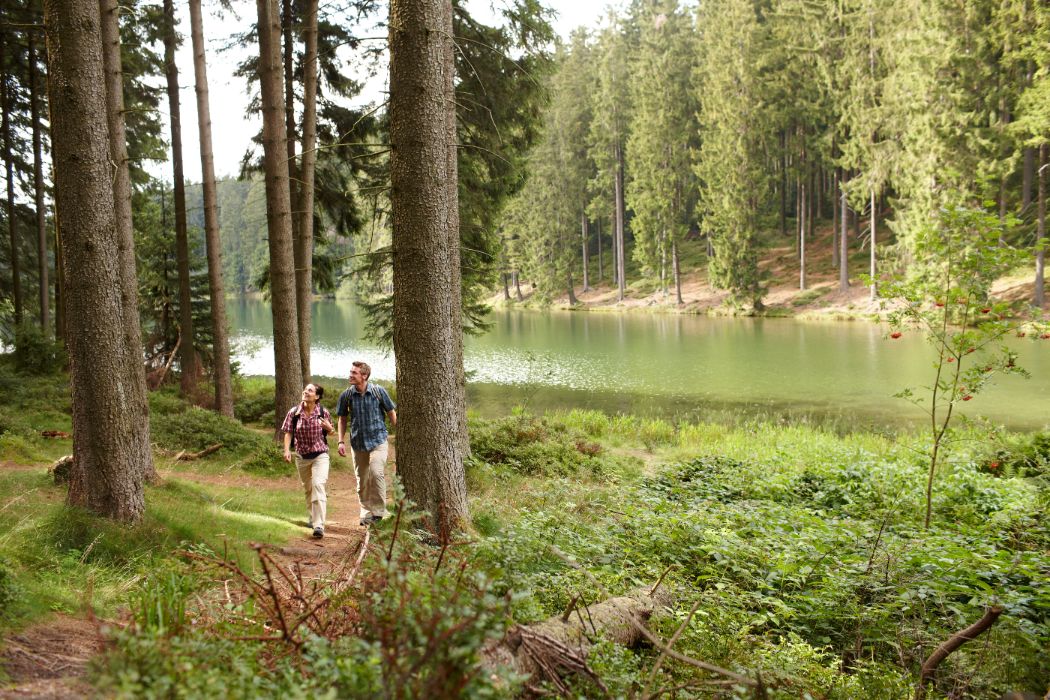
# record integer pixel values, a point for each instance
(573, 301)
(835, 221)
(677, 274)
(506, 286)
(303, 284)
(38, 189)
(874, 283)
(304, 237)
(138, 404)
(111, 443)
(288, 371)
(783, 183)
(843, 242)
(9, 167)
(424, 217)
(517, 287)
(601, 274)
(586, 253)
(1041, 242)
(621, 258)
(221, 345)
(188, 350)
(802, 236)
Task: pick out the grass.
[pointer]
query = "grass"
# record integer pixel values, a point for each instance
(801, 546)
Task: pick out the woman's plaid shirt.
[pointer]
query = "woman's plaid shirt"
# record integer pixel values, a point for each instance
(309, 435)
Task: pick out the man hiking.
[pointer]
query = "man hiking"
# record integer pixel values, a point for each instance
(366, 403)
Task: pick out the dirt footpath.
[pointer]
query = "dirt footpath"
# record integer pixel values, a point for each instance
(49, 659)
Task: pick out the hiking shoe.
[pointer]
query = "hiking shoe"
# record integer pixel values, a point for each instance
(318, 533)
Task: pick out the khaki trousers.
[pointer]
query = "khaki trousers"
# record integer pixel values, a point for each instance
(313, 475)
(371, 480)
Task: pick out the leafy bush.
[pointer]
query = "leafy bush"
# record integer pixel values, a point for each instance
(537, 446)
(36, 353)
(175, 426)
(10, 590)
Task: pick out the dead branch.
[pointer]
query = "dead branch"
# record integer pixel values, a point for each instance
(185, 456)
(156, 382)
(951, 644)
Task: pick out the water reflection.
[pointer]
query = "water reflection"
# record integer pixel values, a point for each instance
(676, 363)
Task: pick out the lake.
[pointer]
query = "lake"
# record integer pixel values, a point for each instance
(672, 365)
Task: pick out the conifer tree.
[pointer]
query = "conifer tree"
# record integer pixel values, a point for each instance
(662, 189)
(733, 128)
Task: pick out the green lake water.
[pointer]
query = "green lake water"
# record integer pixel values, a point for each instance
(672, 365)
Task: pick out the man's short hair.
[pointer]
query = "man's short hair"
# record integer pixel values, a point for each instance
(363, 366)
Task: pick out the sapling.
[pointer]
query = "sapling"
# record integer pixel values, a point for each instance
(947, 298)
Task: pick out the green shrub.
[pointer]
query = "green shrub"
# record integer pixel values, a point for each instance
(10, 590)
(36, 353)
(539, 446)
(193, 428)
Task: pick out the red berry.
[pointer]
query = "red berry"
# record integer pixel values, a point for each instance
(1020, 334)
(939, 304)
(895, 334)
(969, 350)
(1044, 336)
(950, 359)
(993, 465)
(985, 310)
(967, 397)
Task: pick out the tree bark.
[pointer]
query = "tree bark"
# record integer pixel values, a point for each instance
(506, 286)
(517, 287)
(304, 237)
(573, 301)
(38, 189)
(9, 168)
(424, 218)
(220, 342)
(188, 355)
(111, 442)
(1041, 241)
(138, 404)
(288, 372)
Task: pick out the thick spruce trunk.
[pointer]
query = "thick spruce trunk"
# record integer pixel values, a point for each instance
(221, 344)
(304, 236)
(114, 91)
(38, 188)
(427, 328)
(187, 350)
(287, 362)
(110, 435)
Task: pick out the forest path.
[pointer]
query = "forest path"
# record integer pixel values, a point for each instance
(49, 659)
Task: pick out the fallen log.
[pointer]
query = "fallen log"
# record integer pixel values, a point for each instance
(558, 646)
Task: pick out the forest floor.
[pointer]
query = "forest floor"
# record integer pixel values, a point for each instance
(778, 263)
(51, 658)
